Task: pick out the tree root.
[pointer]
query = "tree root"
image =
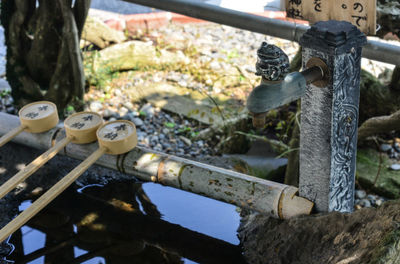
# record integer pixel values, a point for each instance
(379, 124)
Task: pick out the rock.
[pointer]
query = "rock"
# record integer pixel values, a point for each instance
(11, 110)
(123, 111)
(361, 194)
(98, 33)
(358, 207)
(165, 131)
(186, 140)
(117, 92)
(395, 167)
(96, 106)
(173, 77)
(182, 83)
(166, 146)
(396, 147)
(125, 56)
(365, 203)
(141, 135)
(200, 143)
(181, 145)
(128, 105)
(137, 121)
(214, 65)
(393, 154)
(250, 69)
(385, 147)
(128, 116)
(108, 114)
(148, 110)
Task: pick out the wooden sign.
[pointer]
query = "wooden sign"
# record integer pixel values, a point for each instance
(361, 13)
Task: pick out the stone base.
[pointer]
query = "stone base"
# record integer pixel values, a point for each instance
(365, 236)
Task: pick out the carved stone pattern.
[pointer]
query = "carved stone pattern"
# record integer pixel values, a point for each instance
(272, 63)
(344, 131)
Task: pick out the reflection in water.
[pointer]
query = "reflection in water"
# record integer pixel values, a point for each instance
(117, 223)
(5, 250)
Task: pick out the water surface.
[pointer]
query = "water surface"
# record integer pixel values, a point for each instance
(129, 222)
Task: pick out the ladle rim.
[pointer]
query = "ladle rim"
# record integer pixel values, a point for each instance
(115, 121)
(33, 103)
(82, 113)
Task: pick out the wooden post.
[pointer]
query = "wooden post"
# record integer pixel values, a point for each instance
(329, 117)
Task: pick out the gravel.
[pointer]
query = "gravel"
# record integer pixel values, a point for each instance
(364, 200)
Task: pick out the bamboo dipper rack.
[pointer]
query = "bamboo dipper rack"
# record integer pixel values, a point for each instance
(36, 117)
(279, 200)
(80, 129)
(114, 138)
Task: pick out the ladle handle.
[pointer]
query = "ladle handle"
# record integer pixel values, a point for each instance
(50, 195)
(32, 167)
(10, 135)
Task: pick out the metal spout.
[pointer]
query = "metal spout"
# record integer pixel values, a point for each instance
(277, 87)
(258, 119)
(269, 95)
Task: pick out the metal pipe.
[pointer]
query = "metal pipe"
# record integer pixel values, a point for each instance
(374, 50)
(242, 190)
(259, 24)
(313, 74)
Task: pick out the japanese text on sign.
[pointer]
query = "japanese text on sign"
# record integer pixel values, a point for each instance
(361, 13)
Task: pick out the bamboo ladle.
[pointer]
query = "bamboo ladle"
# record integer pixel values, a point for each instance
(36, 117)
(80, 129)
(116, 137)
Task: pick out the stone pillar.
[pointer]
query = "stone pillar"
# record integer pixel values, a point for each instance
(329, 117)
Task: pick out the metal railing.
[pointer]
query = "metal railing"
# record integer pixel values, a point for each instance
(374, 50)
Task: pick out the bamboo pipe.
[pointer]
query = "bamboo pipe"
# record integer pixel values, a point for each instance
(277, 199)
(80, 128)
(115, 137)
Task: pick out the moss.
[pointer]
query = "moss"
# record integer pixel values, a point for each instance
(388, 251)
(376, 99)
(388, 181)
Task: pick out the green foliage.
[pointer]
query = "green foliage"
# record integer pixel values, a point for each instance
(5, 93)
(188, 132)
(169, 124)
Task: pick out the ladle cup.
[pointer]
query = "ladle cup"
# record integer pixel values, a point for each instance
(116, 137)
(36, 117)
(80, 129)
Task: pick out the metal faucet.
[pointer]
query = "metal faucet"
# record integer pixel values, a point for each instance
(278, 86)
